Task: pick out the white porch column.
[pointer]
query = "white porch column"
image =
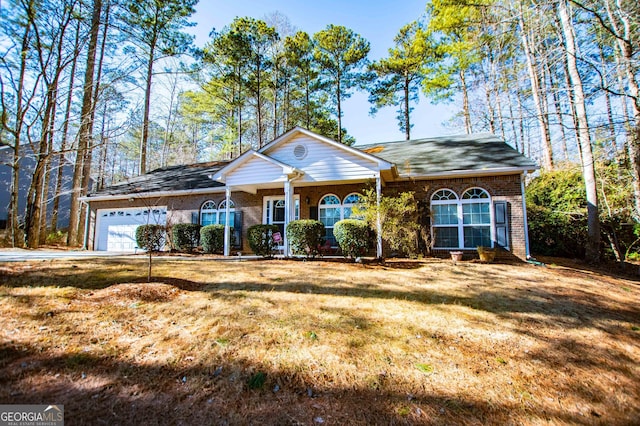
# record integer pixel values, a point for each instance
(525, 223)
(227, 230)
(378, 222)
(289, 209)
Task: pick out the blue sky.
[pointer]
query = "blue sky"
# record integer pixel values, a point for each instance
(376, 20)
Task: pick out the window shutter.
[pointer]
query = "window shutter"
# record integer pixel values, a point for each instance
(313, 212)
(237, 230)
(195, 217)
(501, 224)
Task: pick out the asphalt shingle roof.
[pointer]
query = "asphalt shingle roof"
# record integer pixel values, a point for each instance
(174, 178)
(449, 154)
(412, 158)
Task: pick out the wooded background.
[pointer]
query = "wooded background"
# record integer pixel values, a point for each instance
(103, 83)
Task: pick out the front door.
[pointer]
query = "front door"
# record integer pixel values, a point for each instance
(273, 209)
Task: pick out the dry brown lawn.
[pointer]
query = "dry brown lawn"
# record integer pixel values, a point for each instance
(290, 342)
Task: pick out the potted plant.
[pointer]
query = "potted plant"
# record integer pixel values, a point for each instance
(487, 254)
(456, 256)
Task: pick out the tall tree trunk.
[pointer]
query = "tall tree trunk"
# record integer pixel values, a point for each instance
(497, 97)
(545, 135)
(65, 132)
(588, 167)
(513, 121)
(524, 141)
(86, 164)
(86, 129)
(147, 111)
(625, 49)
(465, 103)
(339, 95)
(558, 109)
(103, 150)
(407, 121)
(36, 189)
(47, 174)
(572, 109)
(14, 223)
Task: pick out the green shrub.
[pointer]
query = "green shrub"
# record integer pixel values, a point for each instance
(557, 214)
(212, 238)
(353, 237)
(150, 237)
(305, 236)
(57, 238)
(186, 236)
(261, 239)
(399, 218)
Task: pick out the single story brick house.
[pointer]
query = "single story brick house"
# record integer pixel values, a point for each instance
(473, 186)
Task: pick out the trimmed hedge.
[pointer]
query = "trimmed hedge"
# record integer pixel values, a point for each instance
(261, 240)
(151, 237)
(305, 236)
(212, 238)
(186, 236)
(353, 237)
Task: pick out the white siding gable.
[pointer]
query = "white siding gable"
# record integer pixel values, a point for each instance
(256, 170)
(323, 162)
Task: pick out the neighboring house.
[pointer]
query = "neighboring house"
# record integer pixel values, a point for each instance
(472, 184)
(27, 164)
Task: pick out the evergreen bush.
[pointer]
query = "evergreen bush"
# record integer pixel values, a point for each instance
(261, 239)
(353, 236)
(186, 236)
(151, 237)
(212, 238)
(305, 236)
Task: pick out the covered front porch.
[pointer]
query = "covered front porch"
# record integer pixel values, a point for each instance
(280, 204)
(298, 169)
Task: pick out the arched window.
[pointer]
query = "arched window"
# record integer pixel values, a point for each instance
(444, 219)
(208, 213)
(222, 212)
(349, 202)
(476, 218)
(331, 210)
(461, 222)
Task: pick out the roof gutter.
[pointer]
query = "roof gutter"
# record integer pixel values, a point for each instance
(471, 173)
(109, 197)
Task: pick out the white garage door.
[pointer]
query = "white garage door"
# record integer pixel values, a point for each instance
(117, 227)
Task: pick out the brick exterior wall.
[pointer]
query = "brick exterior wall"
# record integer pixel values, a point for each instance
(180, 209)
(501, 188)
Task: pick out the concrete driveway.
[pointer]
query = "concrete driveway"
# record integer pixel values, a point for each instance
(20, 255)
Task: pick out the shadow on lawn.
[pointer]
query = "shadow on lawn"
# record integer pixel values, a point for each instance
(574, 310)
(99, 390)
(553, 307)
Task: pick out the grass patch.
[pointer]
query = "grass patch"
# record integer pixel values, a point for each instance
(425, 368)
(278, 342)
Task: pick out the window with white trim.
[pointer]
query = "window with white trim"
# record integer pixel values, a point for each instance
(461, 222)
(222, 213)
(349, 202)
(331, 210)
(476, 218)
(210, 215)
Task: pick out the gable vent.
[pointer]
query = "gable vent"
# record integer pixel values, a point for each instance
(300, 151)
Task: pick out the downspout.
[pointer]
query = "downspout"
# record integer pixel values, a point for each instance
(227, 230)
(524, 215)
(86, 228)
(378, 221)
